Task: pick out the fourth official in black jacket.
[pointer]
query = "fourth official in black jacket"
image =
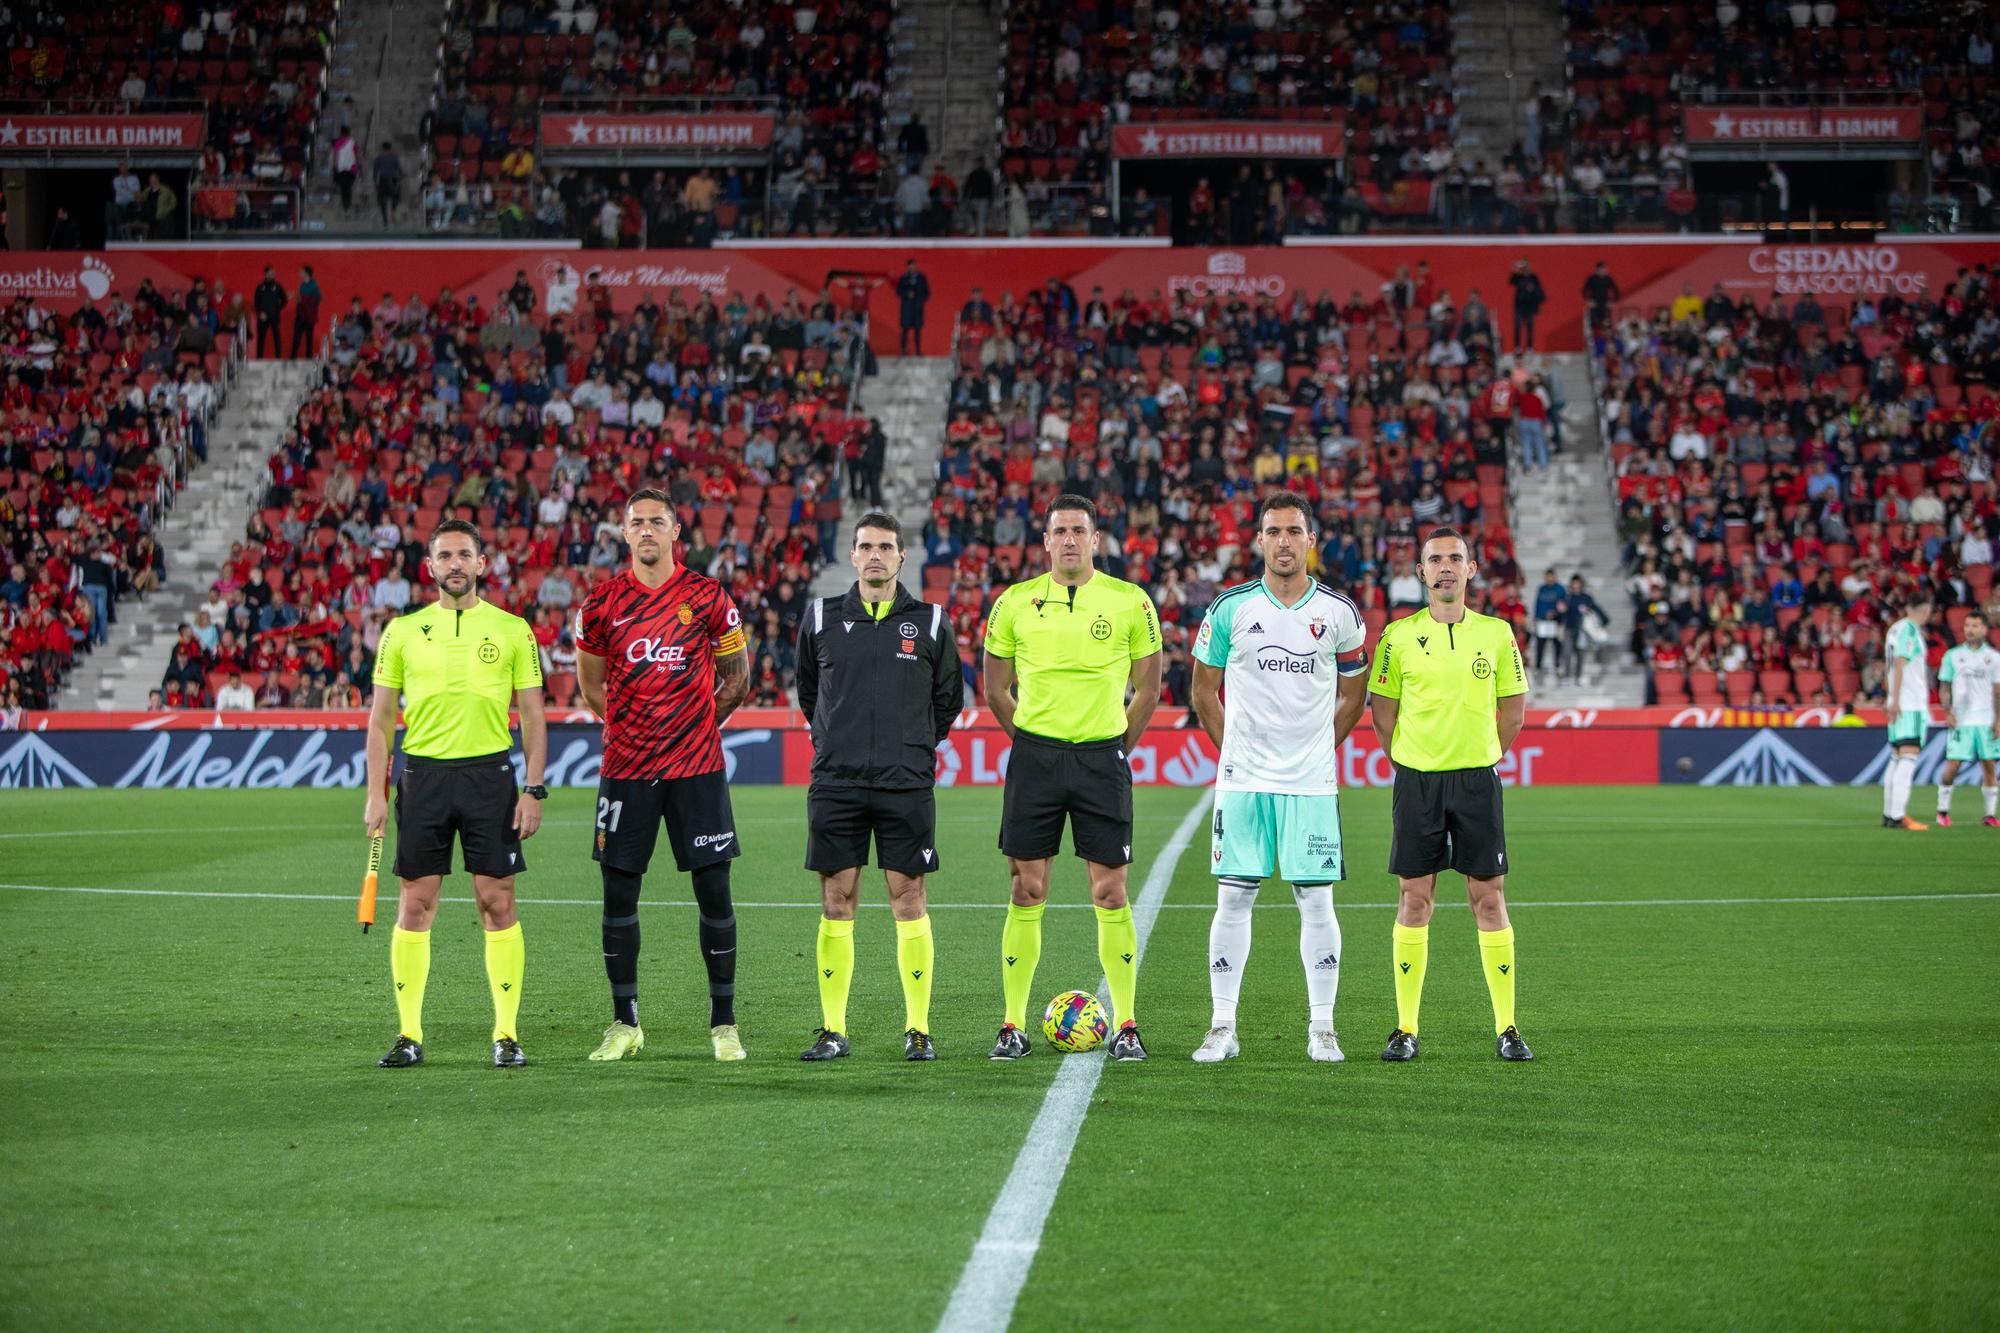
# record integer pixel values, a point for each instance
(880, 686)
(878, 694)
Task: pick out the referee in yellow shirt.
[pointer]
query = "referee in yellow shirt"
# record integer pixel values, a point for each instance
(456, 666)
(1060, 651)
(1449, 696)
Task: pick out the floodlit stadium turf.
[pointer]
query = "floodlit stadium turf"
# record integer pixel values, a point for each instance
(1745, 1111)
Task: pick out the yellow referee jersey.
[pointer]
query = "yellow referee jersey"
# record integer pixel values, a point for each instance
(1073, 650)
(457, 671)
(1447, 679)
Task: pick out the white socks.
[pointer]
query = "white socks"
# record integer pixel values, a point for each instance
(1988, 796)
(1944, 799)
(1229, 947)
(1896, 781)
(1319, 947)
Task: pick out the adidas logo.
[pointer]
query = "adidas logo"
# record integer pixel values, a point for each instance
(1327, 964)
(1220, 965)
(1329, 864)
(1255, 628)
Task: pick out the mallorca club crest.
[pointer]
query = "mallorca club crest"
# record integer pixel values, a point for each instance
(685, 615)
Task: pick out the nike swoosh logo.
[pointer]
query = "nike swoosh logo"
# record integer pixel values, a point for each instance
(626, 621)
(717, 953)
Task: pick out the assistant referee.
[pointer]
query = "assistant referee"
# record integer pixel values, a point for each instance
(880, 685)
(1060, 651)
(1449, 696)
(456, 666)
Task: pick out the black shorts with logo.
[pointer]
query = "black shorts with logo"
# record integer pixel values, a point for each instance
(1089, 783)
(1450, 820)
(701, 827)
(471, 800)
(840, 820)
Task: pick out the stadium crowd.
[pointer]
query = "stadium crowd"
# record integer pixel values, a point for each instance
(258, 69)
(102, 413)
(536, 424)
(820, 68)
(1390, 412)
(1789, 476)
(1071, 73)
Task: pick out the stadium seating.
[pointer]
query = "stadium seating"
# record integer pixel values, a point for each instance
(101, 418)
(1176, 440)
(436, 410)
(823, 65)
(1781, 499)
(1381, 71)
(1633, 67)
(260, 69)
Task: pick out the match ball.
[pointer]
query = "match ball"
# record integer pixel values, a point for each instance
(1074, 1021)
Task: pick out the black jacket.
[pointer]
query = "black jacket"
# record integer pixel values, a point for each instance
(270, 298)
(878, 695)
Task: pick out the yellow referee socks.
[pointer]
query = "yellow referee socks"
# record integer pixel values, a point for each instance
(410, 969)
(1496, 954)
(1412, 953)
(1020, 950)
(1118, 951)
(916, 952)
(506, 961)
(835, 954)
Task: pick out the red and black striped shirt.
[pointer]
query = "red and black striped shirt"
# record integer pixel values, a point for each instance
(660, 646)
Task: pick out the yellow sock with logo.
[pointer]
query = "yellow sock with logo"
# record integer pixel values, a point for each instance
(506, 962)
(916, 953)
(410, 969)
(1118, 951)
(1020, 951)
(836, 972)
(1412, 953)
(1496, 954)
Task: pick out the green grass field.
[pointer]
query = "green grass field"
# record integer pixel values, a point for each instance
(1746, 1111)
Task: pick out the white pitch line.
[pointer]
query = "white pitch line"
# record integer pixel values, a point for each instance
(261, 895)
(998, 1267)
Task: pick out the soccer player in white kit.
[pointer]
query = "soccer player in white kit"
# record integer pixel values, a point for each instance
(1909, 703)
(1970, 675)
(1291, 655)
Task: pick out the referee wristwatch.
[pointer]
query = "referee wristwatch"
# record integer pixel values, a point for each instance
(540, 793)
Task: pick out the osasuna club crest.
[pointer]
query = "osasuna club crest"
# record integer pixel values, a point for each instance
(1318, 627)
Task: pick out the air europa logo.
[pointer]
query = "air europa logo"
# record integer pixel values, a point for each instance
(1838, 270)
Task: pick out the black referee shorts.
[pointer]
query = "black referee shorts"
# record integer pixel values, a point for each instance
(1049, 780)
(470, 799)
(1447, 821)
(701, 827)
(840, 821)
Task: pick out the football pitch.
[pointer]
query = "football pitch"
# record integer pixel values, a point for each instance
(1766, 1093)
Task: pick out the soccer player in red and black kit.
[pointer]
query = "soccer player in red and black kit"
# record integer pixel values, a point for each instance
(660, 657)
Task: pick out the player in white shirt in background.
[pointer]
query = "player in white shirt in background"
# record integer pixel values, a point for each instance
(1291, 655)
(1969, 692)
(1909, 702)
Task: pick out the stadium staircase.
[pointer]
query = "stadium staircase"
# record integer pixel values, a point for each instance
(380, 80)
(1502, 49)
(210, 514)
(908, 398)
(1564, 518)
(946, 65)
